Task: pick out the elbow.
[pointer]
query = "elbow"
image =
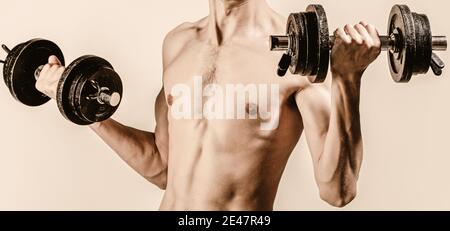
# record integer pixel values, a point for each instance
(339, 201)
(162, 185)
(159, 180)
(339, 194)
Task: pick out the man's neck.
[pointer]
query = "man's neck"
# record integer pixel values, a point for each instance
(230, 18)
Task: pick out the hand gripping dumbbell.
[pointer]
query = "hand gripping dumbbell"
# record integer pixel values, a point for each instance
(88, 91)
(409, 43)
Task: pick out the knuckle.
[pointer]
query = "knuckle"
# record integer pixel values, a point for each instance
(360, 28)
(46, 67)
(377, 44)
(347, 41)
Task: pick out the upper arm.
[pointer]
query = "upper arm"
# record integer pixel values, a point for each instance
(172, 46)
(314, 103)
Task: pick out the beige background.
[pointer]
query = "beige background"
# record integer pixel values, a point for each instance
(47, 163)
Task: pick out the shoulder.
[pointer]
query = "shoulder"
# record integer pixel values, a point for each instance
(179, 33)
(177, 38)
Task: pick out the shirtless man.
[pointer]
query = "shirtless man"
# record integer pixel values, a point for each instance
(207, 164)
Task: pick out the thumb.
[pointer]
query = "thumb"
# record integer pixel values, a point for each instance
(54, 60)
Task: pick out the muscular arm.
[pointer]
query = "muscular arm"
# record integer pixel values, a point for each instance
(333, 132)
(145, 152)
(332, 120)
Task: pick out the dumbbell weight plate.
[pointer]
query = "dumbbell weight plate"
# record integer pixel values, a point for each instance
(20, 65)
(423, 52)
(312, 32)
(296, 31)
(321, 42)
(9, 63)
(105, 76)
(64, 93)
(401, 64)
(74, 88)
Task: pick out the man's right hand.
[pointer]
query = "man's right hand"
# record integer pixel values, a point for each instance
(47, 82)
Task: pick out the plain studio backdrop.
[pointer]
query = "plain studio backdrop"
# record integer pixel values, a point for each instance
(48, 163)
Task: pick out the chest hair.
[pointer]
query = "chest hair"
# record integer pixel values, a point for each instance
(210, 58)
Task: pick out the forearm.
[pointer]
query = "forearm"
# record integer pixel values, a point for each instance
(339, 164)
(137, 148)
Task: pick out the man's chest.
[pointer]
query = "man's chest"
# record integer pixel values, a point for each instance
(222, 68)
(233, 85)
(237, 84)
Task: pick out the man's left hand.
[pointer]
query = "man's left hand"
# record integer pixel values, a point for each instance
(355, 48)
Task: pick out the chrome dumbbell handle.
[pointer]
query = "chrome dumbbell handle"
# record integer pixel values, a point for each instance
(388, 43)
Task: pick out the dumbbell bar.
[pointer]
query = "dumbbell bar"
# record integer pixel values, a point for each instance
(410, 44)
(281, 42)
(88, 91)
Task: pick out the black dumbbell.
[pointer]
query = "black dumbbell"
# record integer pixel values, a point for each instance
(409, 43)
(89, 90)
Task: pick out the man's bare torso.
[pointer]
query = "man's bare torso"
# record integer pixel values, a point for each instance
(223, 164)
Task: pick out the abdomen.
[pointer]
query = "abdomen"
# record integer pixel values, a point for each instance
(227, 164)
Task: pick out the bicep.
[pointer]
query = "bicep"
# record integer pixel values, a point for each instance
(314, 104)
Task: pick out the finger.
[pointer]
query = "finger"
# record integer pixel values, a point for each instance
(47, 73)
(364, 23)
(59, 72)
(45, 68)
(55, 73)
(54, 60)
(373, 32)
(356, 37)
(44, 71)
(52, 69)
(340, 33)
(367, 39)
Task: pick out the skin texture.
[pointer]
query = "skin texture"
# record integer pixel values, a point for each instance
(233, 164)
